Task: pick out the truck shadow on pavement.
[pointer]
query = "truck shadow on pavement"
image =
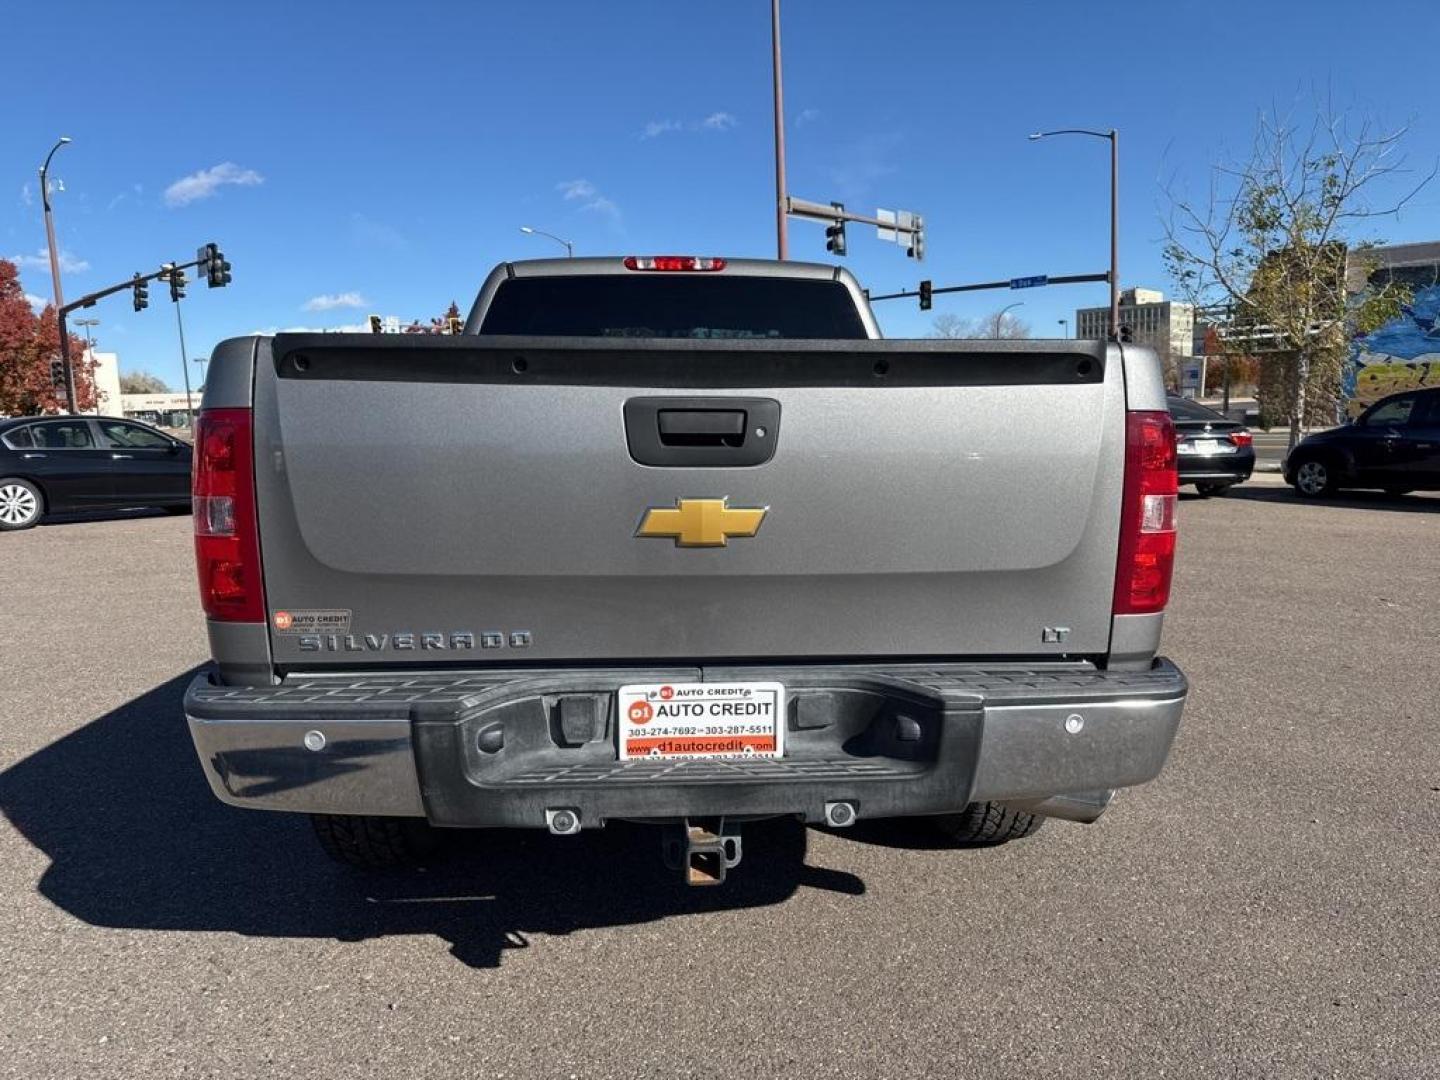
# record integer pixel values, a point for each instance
(136, 840)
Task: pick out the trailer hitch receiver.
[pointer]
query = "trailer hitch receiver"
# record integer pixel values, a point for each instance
(702, 851)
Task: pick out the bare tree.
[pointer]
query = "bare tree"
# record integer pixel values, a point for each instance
(997, 325)
(1271, 242)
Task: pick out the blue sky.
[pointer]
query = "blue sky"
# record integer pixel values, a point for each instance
(384, 155)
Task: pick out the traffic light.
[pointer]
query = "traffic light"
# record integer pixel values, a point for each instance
(916, 250)
(57, 374)
(376, 325)
(926, 294)
(217, 270)
(1127, 335)
(141, 299)
(453, 325)
(176, 277)
(835, 233)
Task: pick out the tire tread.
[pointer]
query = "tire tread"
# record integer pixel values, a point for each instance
(989, 823)
(373, 843)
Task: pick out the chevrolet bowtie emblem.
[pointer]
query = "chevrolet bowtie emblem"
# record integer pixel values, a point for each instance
(701, 522)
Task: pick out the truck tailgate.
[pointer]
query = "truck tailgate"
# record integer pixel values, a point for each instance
(478, 499)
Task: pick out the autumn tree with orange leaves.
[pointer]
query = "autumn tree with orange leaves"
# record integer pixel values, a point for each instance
(28, 344)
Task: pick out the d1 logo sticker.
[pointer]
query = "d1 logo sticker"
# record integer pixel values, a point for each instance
(283, 620)
(641, 712)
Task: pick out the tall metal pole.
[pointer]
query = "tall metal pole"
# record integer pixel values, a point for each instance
(55, 276)
(1066, 324)
(90, 351)
(569, 247)
(184, 365)
(782, 239)
(1114, 235)
(1000, 315)
(1114, 136)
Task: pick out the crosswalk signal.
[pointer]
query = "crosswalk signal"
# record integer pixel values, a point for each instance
(835, 233)
(927, 292)
(377, 325)
(141, 298)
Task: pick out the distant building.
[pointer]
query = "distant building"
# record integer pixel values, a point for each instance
(107, 381)
(1165, 325)
(162, 410)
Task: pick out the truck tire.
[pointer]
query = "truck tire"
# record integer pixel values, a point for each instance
(988, 823)
(375, 843)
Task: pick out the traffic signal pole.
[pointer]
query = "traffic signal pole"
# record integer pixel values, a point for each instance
(185, 366)
(1067, 279)
(782, 237)
(217, 271)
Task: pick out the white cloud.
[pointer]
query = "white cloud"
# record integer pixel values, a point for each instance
(203, 184)
(36, 302)
(589, 198)
(716, 121)
(575, 189)
(806, 116)
(25, 196)
(69, 264)
(329, 302)
(367, 232)
(602, 205)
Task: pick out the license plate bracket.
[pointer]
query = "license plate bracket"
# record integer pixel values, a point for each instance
(679, 721)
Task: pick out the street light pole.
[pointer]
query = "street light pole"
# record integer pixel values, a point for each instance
(1000, 315)
(1114, 136)
(569, 247)
(1066, 324)
(782, 238)
(90, 350)
(55, 275)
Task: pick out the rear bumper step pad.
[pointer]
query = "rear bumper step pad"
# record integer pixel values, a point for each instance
(501, 748)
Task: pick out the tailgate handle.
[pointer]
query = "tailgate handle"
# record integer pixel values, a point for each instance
(702, 427)
(715, 431)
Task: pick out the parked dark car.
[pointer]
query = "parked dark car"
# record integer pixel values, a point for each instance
(68, 464)
(1213, 452)
(1394, 445)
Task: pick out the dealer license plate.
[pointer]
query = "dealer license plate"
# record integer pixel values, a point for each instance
(702, 720)
(1203, 446)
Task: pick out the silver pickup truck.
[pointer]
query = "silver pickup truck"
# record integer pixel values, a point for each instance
(681, 541)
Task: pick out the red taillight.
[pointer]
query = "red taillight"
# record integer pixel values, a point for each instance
(227, 546)
(1241, 438)
(672, 262)
(1147, 515)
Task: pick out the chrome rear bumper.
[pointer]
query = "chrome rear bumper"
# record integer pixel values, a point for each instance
(482, 748)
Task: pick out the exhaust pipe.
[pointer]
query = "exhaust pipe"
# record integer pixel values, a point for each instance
(1082, 806)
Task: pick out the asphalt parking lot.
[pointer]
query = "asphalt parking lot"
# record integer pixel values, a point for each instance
(1267, 908)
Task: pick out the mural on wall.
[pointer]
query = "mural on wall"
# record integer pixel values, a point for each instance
(1404, 353)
